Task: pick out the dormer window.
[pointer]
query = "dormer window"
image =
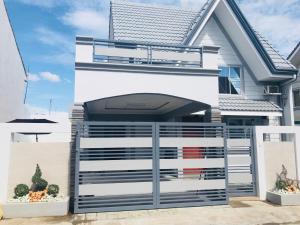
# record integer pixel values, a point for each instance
(230, 80)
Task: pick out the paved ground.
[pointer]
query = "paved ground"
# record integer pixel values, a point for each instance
(239, 212)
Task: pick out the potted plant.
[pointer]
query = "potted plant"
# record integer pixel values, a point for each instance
(39, 200)
(286, 191)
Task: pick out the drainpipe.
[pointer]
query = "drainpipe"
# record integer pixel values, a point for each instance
(289, 82)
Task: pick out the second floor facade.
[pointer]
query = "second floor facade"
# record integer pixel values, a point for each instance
(212, 56)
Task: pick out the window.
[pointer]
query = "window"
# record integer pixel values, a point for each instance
(230, 80)
(296, 98)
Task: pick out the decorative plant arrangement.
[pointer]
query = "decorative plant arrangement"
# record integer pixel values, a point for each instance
(285, 185)
(39, 191)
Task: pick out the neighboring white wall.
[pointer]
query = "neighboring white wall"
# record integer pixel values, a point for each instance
(12, 74)
(276, 155)
(269, 155)
(92, 85)
(53, 159)
(212, 34)
(6, 131)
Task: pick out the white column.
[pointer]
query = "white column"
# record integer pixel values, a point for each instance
(288, 108)
(4, 161)
(260, 163)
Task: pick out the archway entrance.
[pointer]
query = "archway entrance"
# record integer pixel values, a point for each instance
(142, 107)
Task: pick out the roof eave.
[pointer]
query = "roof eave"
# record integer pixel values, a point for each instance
(294, 52)
(251, 34)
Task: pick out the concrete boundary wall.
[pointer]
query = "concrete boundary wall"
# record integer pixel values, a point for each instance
(281, 150)
(6, 131)
(53, 159)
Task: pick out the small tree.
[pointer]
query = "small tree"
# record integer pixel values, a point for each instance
(38, 183)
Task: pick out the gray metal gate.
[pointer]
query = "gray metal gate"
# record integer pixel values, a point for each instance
(241, 161)
(128, 166)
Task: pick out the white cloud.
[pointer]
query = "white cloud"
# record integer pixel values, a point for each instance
(58, 57)
(62, 51)
(47, 76)
(50, 77)
(88, 22)
(277, 20)
(54, 38)
(33, 77)
(192, 4)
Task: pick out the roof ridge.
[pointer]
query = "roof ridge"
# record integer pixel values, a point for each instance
(168, 7)
(200, 15)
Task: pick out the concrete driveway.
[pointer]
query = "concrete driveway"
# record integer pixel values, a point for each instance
(239, 212)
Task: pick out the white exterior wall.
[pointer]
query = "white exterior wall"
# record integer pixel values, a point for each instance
(213, 35)
(97, 84)
(92, 85)
(296, 86)
(12, 74)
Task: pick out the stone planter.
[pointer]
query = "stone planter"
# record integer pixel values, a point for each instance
(36, 209)
(283, 199)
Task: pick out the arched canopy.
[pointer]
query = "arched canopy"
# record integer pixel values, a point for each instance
(146, 104)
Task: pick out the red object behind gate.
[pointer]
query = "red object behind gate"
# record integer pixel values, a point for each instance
(192, 153)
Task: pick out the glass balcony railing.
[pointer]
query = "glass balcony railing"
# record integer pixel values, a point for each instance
(137, 53)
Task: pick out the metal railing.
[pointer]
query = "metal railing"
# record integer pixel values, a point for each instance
(138, 53)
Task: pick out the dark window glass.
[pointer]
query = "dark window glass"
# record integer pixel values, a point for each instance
(230, 80)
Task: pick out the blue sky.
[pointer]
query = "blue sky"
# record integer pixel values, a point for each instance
(45, 31)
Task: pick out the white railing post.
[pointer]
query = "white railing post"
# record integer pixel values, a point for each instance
(210, 57)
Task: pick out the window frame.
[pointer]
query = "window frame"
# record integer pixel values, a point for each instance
(241, 69)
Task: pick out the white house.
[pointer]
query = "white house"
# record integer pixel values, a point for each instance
(170, 64)
(294, 58)
(160, 68)
(12, 72)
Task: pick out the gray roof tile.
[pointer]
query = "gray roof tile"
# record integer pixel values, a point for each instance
(278, 60)
(165, 25)
(146, 23)
(238, 103)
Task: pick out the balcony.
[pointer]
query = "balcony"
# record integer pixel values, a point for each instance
(129, 53)
(105, 51)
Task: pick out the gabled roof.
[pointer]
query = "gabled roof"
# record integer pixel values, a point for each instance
(294, 55)
(238, 103)
(147, 23)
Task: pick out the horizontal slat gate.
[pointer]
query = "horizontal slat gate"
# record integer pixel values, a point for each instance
(241, 161)
(128, 166)
(192, 164)
(114, 167)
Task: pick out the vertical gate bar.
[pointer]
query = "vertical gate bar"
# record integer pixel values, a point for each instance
(79, 128)
(226, 162)
(157, 162)
(253, 162)
(154, 191)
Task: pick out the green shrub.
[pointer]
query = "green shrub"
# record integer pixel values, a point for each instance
(281, 185)
(38, 183)
(21, 190)
(53, 190)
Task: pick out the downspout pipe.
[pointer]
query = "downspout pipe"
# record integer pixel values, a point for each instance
(289, 82)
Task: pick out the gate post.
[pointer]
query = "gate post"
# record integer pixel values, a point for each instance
(226, 162)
